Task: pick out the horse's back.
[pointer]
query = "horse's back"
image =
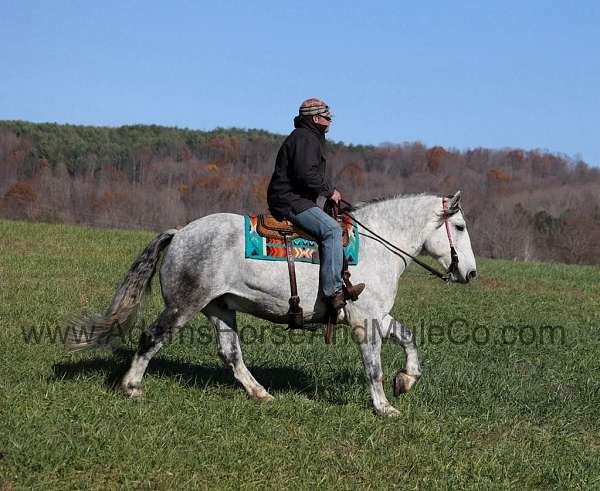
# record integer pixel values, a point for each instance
(207, 237)
(202, 255)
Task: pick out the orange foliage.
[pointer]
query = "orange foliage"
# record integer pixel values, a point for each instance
(109, 199)
(213, 166)
(499, 175)
(227, 146)
(516, 155)
(435, 156)
(211, 176)
(21, 193)
(208, 182)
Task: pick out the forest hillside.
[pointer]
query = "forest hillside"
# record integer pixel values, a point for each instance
(526, 205)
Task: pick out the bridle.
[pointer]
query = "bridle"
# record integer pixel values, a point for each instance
(453, 268)
(394, 249)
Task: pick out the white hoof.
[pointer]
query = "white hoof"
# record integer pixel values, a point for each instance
(388, 411)
(133, 391)
(403, 382)
(261, 396)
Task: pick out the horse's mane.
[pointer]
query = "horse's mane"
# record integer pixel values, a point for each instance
(389, 197)
(443, 215)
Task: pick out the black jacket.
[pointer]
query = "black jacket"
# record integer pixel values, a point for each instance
(299, 175)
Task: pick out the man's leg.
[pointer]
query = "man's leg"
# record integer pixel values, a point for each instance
(324, 228)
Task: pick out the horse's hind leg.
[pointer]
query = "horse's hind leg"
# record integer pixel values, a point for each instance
(166, 325)
(228, 346)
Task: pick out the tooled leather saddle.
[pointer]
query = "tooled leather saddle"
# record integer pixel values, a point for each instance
(270, 227)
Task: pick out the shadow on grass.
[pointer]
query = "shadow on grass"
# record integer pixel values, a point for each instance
(275, 379)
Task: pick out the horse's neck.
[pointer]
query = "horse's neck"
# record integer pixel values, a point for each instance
(404, 221)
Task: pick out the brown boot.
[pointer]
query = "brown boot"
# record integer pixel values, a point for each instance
(337, 301)
(352, 292)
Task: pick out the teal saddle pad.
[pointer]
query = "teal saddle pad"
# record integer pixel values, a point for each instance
(259, 247)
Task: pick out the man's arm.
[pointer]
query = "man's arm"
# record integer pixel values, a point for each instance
(307, 158)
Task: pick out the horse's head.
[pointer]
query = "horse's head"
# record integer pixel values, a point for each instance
(439, 240)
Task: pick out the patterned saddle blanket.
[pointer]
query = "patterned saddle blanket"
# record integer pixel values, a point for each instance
(270, 247)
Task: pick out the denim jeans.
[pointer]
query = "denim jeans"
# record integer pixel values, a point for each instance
(331, 250)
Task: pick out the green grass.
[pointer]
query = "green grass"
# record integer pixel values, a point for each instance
(484, 415)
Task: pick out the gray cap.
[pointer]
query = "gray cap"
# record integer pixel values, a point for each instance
(315, 107)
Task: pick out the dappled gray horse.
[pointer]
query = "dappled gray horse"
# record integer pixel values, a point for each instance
(204, 270)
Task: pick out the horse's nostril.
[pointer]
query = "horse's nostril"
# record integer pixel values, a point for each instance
(472, 274)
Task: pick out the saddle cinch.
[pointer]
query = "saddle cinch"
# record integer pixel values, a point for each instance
(270, 227)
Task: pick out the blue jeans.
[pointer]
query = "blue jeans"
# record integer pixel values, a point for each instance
(331, 249)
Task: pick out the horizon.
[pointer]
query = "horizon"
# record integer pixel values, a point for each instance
(496, 76)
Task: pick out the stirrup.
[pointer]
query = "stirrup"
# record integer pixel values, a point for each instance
(295, 314)
(338, 301)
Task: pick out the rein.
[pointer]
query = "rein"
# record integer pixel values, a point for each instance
(394, 249)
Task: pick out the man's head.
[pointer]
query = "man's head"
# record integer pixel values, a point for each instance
(318, 111)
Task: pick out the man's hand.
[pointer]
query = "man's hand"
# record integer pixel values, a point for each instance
(336, 196)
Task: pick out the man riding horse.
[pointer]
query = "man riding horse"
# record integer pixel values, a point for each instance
(297, 181)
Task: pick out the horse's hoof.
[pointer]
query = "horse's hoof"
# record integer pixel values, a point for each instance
(133, 391)
(266, 398)
(388, 411)
(261, 396)
(403, 382)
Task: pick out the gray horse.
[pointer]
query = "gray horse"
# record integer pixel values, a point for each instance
(204, 270)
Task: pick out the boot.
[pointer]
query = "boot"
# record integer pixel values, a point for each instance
(352, 292)
(337, 301)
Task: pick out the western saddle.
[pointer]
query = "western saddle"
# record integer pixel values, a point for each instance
(270, 227)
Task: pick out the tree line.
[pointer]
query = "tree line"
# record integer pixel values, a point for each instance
(525, 205)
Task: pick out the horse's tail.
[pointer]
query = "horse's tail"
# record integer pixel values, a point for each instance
(94, 331)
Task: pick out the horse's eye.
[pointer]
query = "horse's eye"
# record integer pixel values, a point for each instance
(460, 228)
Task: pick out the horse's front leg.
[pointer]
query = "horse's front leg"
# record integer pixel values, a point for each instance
(369, 341)
(410, 375)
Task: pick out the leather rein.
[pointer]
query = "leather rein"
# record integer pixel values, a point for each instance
(394, 249)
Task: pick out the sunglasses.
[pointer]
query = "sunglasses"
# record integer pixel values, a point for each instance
(328, 118)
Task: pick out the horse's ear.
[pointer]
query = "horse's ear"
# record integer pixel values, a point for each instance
(455, 201)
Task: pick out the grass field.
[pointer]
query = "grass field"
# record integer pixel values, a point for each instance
(519, 409)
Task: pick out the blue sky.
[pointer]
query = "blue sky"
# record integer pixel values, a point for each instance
(457, 74)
